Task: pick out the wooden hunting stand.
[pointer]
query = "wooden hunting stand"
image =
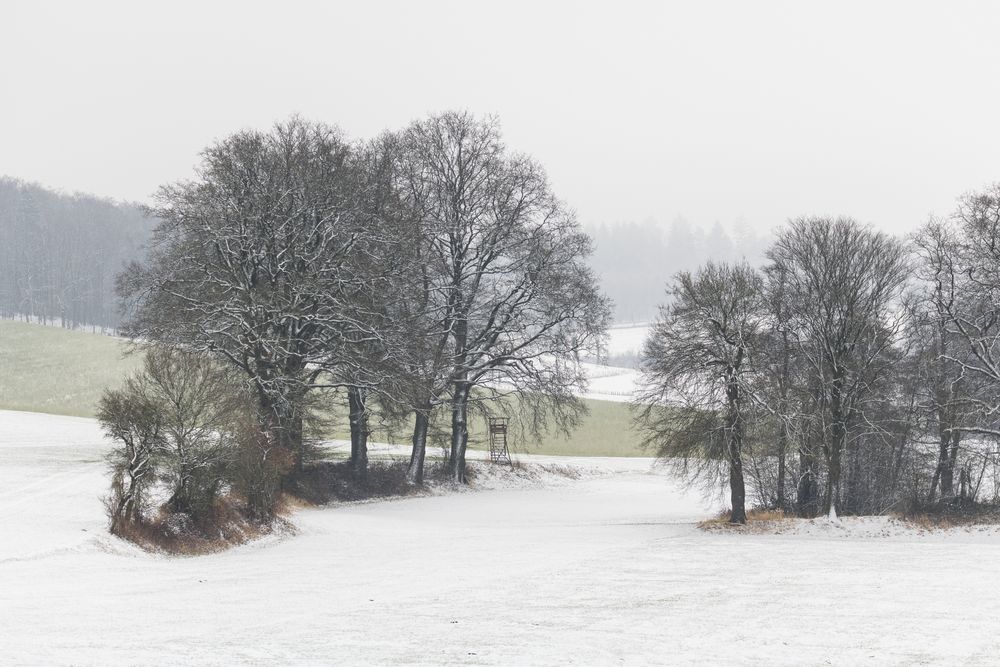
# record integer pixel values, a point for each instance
(498, 441)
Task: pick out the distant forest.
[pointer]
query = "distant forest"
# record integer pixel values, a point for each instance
(636, 260)
(59, 255)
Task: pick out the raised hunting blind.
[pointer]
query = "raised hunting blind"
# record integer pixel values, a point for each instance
(499, 453)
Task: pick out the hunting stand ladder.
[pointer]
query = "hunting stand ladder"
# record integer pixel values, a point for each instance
(498, 441)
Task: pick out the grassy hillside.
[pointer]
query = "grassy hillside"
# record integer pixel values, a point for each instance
(605, 431)
(47, 369)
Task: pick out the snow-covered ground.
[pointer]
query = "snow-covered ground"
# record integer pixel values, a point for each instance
(610, 383)
(606, 569)
(627, 338)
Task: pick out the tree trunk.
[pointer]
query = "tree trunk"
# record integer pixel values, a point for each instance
(737, 492)
(835, 447)
(833, 469)
(854, 499)
(783, 433)
(948, 473)
(942, 472)
(282, 422)
(415, 472)
(782, 449)
(806, 490)
(459, 431)
(358, 418)
(737, 486)
(964, 484)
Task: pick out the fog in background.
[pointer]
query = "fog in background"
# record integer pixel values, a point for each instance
(712, 121)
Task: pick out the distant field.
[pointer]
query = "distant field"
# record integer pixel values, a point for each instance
(48, 369)
(57, 371)
(604, 431)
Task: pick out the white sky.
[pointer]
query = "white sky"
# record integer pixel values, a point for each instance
(722, 111)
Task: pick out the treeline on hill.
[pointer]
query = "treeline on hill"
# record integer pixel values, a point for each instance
(656, 252)
(59, 254)
(427, 274)
(856, 373)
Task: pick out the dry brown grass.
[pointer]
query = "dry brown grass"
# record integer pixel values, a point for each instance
(758, 520)
(944, 515)
(926, 518)
(179, 535)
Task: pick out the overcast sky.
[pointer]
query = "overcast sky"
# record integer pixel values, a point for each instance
(716, 111)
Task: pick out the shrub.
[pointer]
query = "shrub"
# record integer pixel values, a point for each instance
(134, 422)
(174, 422)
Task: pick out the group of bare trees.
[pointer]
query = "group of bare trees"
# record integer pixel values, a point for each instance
(420, 276)
(59, 254)
(854, 373)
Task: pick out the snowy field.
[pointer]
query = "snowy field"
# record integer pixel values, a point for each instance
(605, 569)
(627, 338)
(610, 383)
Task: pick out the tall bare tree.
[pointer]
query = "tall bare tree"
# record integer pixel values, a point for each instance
(697, 370)
(968, 261)
(260, 262)
(778, 370)
(938, 347)
(960, 259)
(514, 303)
(843, 281)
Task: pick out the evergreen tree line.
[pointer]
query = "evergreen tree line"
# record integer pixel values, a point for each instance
(634, 259)
(423, 276)
(59, 254)
(854, 373)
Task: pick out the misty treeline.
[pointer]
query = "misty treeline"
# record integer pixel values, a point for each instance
(855, 373)
(59, 254)
(632, 257)
(424, 276)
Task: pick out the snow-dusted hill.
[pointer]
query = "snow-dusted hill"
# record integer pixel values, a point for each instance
(614, 383)
(610, 383)
(606, 569)
(627, 338)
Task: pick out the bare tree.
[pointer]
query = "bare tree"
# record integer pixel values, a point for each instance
(968, 261)
(697, 367)
(843, 281)
(960, 260)
(511, 300)
(134, 423)
(260, 262)
(198, 405)
(778, 369)
(938, 348)
(176, 420)
(382, 341)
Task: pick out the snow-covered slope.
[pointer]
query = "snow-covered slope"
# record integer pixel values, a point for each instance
(627, 338)
(608, 569)
(610, 383)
